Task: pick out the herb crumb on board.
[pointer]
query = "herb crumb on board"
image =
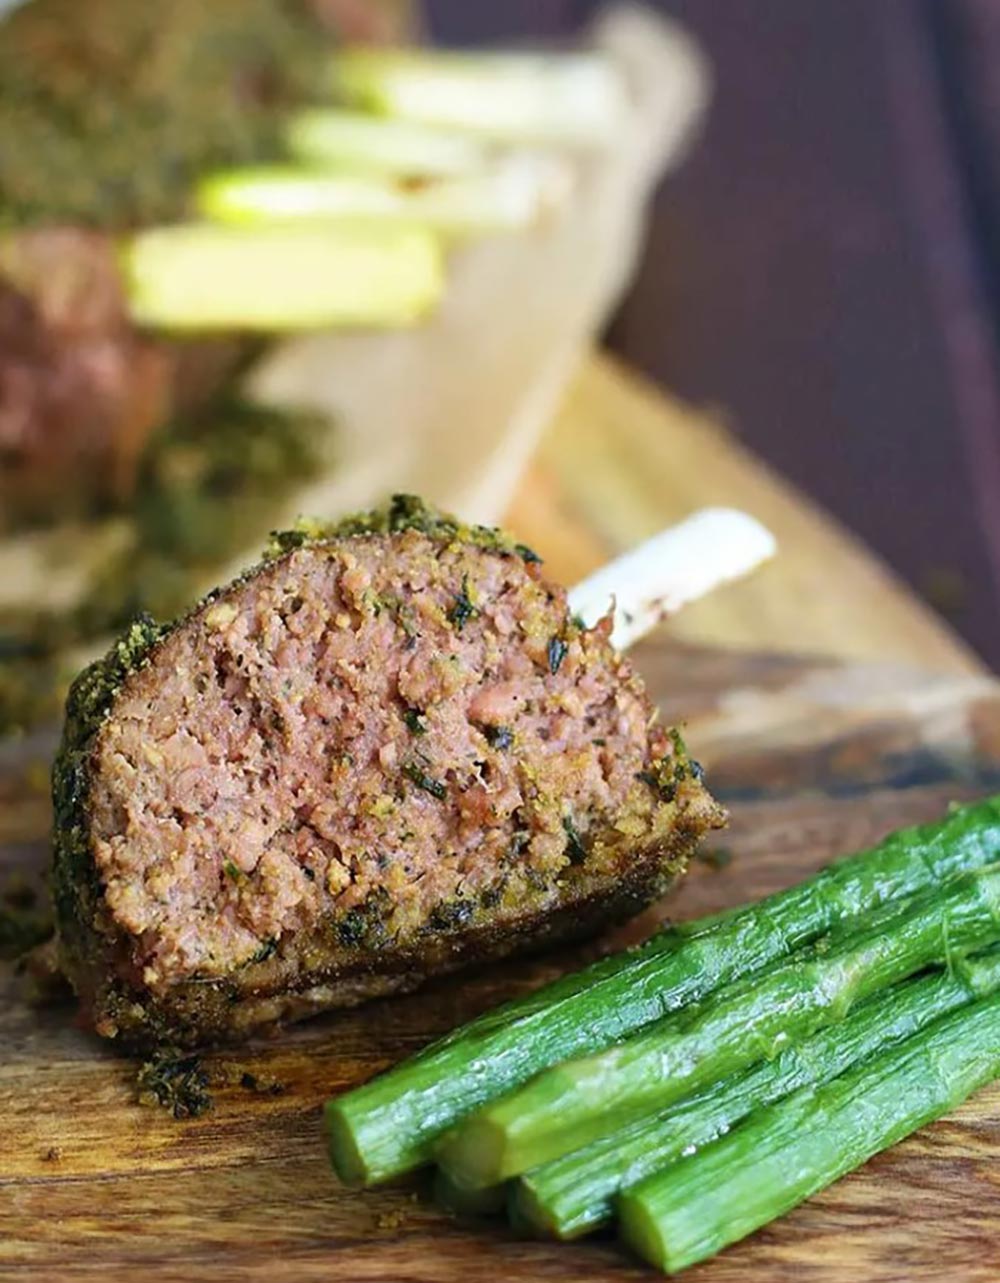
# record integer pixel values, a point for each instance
(716, 858)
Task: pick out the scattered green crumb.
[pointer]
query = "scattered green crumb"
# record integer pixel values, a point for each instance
(556, 654)
(575, 849)
(365, 923)
(519, 842)
(414, 720)
(668, 772)
(267, 950)
(716, 857)
(463, 608)
(452, 915)
(177, 1083)
(262, 1084)
(422, 780)
(234, 1073)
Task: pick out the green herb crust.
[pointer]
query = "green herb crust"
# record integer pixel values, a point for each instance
(110, 110)
(177, 1083)
(76, 888)
(403, 512)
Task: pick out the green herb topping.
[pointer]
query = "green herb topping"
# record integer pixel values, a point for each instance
(423, 781)
(463, 610)
(557, 653)
(575, 849)
(414, 720)
(500, 737)
(177, 1083)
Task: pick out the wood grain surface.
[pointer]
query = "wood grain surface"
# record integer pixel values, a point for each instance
(814, 758)
(621, 460)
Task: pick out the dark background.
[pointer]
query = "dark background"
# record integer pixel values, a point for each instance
(825, 269)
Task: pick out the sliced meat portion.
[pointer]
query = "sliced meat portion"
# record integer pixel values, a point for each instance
(385, 751)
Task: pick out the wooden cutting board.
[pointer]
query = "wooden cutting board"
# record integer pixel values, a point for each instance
(814, 759)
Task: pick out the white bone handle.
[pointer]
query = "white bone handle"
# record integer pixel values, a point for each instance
(673, 568)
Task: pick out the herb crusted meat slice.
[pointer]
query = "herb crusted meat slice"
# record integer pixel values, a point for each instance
(386, 750)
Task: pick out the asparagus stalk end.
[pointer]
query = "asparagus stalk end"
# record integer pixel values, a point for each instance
(346, 1158)
(583, 1099)
(640, 1230)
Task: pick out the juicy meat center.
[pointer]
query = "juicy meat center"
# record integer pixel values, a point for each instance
(387, 716)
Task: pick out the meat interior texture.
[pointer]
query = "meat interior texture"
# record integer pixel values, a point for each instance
(374, 756)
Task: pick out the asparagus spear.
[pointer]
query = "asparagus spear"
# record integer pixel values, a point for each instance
(562, 100)
(199, 277)
(798, 1146)
(389, 1125)
(574, 1103)
(507, 196)
(377, 145)
(574, 1194)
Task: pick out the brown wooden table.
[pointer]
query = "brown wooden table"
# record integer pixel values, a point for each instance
(814, 757)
